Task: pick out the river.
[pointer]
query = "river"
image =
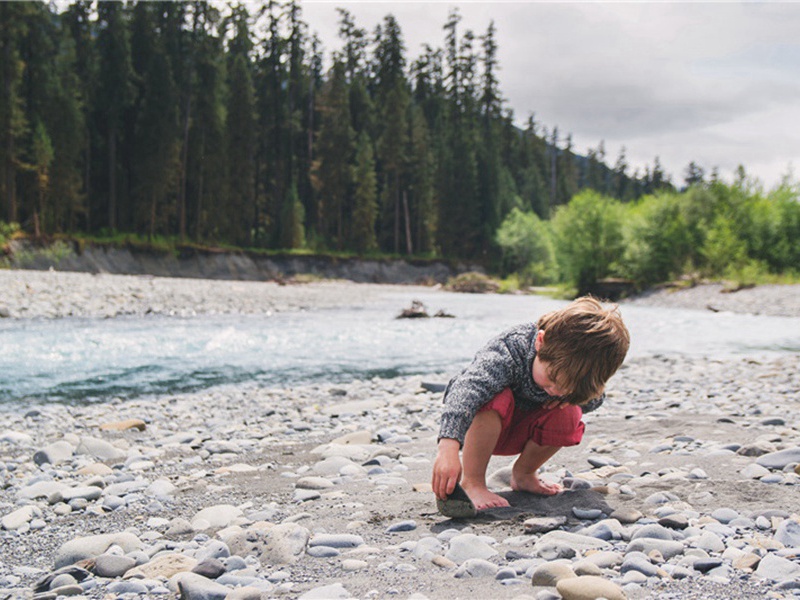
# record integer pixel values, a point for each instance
(79, 360)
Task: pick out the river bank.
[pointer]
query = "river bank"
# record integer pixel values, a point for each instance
(56, 294)
(685, 485)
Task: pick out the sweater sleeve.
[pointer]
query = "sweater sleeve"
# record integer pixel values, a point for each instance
(592, 405)
(491, 371)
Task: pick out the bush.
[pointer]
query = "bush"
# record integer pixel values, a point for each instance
(527, 248)
(657, 240)
(472, 283)
(588, 237)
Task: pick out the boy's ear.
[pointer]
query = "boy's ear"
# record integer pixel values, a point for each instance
(539, 341)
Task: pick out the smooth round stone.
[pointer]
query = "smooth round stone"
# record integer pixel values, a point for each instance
(352, 564)
(661, 498)
(602, 461)
(724, 515)
(667, 548)
(778, 460)
(468, 545)
(477, 567)
(576, 483)
(654, 531)
(640, 564)
(314, 483)
(588, 587)
(697, 474)
(211, 568)
(754, 471)
(704, 565)
(130, 586)
(62, 580)
(303, 495)
(710, 542)
(402, 526)
(323, 551)
(543, 524)
(605, 559)
(587, 513)
(788, 533)
(337, 540)
(113, 566)
(626, 515)
(506, 573)
(777, 568)
(550, 573)
(775, 479)
(676, 521)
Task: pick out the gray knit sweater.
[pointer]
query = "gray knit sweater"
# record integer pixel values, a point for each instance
(505, 362)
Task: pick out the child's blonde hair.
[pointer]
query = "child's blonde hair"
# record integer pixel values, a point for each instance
(584, 345)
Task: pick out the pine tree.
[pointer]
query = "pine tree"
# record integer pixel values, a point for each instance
(240, 209)
(114, 91)
(365, 197)
(332, 174)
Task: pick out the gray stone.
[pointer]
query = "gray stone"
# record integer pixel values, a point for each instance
(54, 454)
(580, 543)
(754, 471)
(667, 548)
(626, 515)
(652, 531)
(543, 524)
(777, 568)
(281, 544)
(640, 564)
(402, 526)
(337, 540)
(724, 515)
(21, 516)
(778, 460)
(127, 587)
(216, 517)
(210, 568)
(676, 521)
(587, 513)
(468, 545)
(788, 533)
(314, 483)
(192, 586)
(588, 587)
(112, 565)
(41, 489)
(99, 449)
(477, 567)
(95, 545)
(710, 542)
(550, 573)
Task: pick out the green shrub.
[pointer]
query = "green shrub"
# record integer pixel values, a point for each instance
(527, 248)
(657, 240)
(588, 237)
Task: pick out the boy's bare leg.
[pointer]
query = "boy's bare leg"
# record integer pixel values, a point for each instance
(524, 473)
(479, 444)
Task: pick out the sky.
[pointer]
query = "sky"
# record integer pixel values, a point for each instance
(717, 83)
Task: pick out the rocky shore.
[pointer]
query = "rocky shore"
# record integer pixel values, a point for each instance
(686, 484)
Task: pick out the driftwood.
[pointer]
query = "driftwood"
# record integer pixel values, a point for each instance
(417, 310)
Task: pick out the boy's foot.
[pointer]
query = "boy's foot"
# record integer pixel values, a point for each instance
(457, 505)
(482, 498)
(531, 483)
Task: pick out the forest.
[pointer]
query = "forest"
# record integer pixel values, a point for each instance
(221, 125)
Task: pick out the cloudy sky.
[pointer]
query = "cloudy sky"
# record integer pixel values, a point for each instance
(715, 83)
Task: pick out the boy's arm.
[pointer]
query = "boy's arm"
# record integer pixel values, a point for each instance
(491, 371)
(446, 468)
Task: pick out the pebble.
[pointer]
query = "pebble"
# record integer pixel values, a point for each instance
(588, 587)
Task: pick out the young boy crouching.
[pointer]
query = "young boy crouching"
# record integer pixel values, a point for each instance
(525, 393)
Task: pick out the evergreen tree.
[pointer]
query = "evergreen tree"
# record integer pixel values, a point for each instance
(114, 92)
(239, 213)
(332, 174)
(365, 197)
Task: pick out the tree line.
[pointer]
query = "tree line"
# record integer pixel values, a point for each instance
(177, 119)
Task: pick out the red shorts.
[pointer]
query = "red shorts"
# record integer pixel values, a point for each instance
(553, 427)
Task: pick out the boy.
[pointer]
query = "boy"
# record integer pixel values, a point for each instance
(524, 393)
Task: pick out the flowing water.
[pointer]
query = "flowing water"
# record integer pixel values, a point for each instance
(91, 360)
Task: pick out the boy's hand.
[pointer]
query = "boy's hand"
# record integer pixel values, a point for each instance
(446, 468)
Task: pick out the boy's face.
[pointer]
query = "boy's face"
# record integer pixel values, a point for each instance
(541, 372)
(542, 379)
